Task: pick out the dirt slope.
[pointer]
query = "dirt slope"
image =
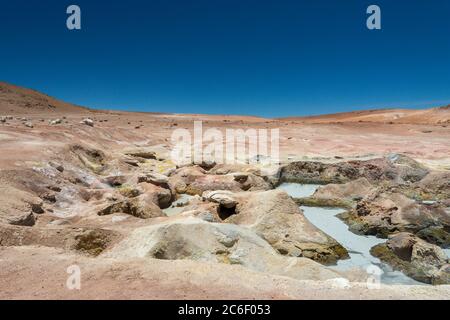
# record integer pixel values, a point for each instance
(439, 115)
(18, 100)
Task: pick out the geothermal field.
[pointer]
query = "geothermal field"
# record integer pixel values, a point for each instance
(93, 205)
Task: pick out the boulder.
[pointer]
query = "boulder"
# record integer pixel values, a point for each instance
(140, 152)
(195, 239)
(197, 207)
(233, 182)
(154, 178)
(88, 122)
(436, 185)
(55, 122)
(275, 217)
(142, 206)
(184, 176)
(268, 175)
(213, 182)
(251, 182)
(395, 168)
(223, 197)
(384, 212)
(161, 196)
(115, 180)
(18, 207)
(159, 152)
(415, 257)
(232, 168)
(351, 191)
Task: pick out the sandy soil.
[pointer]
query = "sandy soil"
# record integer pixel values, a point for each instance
(41, 273)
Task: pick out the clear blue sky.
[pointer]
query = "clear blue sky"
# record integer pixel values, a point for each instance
(269, 58)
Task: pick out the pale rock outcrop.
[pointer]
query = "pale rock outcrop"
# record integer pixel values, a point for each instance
(90, 241)
(161, 196)
(275, 217)
(396, 168)
(231, 168)
(158, 152)
(195, 239)
(353, 190)
(223, 197)
(164, 167)
(436, 185)
(197, 207)
(384, 212)
(115, 180)
(213, 182)
(91, 158)
(184, 176)
(417, 258)
(142, 206)
(154, 178)
(18, 207)
(140, 152)
(233, 182)
(339, 195)
(55, 122)
(250, 181)
(89, 122)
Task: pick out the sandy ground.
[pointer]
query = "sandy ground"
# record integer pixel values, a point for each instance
(427, 143)
(41, 273)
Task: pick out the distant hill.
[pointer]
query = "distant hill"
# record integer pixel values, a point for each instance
(18, 100)
(439, 115)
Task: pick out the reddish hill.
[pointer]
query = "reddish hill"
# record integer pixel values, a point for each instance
(18, 100)
(440, 115)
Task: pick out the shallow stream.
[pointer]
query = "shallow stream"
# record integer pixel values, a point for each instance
(358, 246)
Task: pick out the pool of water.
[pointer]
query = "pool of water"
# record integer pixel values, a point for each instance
(447, 251)
(358, 246)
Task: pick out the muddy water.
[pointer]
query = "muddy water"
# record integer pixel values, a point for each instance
(358, 246)
(447, 251)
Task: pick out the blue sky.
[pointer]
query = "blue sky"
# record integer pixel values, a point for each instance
(269, 58)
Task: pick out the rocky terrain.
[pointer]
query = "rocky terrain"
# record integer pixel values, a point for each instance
(98, 189)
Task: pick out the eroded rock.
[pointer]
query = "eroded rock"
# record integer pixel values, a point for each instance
(194, 239)
(222, 197)
(18, 207)
(396, 168)
(415, 257)
(384, 212)
(275, 217)
(142, 206)
(90, 241)
(89, 122)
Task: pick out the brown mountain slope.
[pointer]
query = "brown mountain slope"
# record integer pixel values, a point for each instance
(439, 115)
(18, 100)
